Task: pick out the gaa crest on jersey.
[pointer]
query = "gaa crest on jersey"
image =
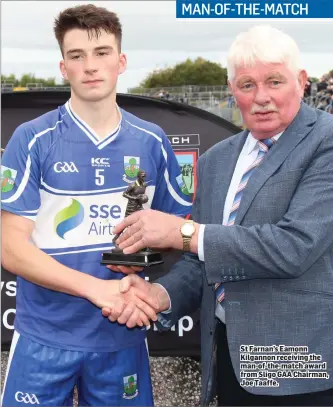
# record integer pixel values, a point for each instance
(131, 168)
(8, 176)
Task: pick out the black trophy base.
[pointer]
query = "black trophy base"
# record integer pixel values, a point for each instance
(141, 259)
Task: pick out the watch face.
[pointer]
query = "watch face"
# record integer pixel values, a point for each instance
(188, 229)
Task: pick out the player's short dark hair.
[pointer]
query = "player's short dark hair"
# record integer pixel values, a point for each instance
(87, 17)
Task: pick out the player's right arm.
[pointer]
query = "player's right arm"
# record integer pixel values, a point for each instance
(20, 184)
(21, 257)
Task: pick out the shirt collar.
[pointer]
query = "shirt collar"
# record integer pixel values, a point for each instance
(251, 143)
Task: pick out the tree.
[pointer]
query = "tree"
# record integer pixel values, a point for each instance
(10, 79)
(30, 78)
(197, 72)
(27, 78)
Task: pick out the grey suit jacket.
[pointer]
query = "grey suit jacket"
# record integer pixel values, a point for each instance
(276, 262)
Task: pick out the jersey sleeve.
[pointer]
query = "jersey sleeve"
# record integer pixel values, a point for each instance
(169, 196)
(20, 175)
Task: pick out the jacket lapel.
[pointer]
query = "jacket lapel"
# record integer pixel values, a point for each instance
(227, 161)
(297, 130)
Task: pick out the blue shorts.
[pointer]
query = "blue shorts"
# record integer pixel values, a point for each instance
(46, 376)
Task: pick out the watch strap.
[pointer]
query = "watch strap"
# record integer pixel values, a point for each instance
(186, 243)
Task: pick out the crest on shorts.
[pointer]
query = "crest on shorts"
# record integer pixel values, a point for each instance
(130, 386)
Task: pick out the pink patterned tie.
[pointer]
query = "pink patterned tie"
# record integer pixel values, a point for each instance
(264, 146)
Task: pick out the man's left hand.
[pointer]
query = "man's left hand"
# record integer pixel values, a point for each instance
(149, 228)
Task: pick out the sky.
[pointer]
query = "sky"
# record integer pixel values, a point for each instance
(152, 38)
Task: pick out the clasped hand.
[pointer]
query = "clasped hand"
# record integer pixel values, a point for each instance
(142, 229)
(131, 301)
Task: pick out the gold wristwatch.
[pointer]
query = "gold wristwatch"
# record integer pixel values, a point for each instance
(187, 230)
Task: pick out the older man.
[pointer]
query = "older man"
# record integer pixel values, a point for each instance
(259, 254)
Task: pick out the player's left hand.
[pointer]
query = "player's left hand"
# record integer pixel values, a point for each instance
(124, 269)
(149, 228)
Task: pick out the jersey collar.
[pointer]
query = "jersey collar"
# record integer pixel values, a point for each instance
(89, 131)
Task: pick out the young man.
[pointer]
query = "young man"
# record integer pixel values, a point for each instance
(68, 171)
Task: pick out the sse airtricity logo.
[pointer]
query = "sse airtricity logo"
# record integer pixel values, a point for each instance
(68, 218)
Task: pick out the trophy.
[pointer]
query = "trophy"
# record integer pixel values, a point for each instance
(136, 195)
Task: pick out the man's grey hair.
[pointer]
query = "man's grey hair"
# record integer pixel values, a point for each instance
(263, 43)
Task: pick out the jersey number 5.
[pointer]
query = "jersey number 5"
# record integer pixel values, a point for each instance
(99, 177)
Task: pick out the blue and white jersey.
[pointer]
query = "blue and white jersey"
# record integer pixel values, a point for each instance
(57, 172)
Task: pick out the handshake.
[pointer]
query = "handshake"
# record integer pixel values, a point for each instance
(131, 300)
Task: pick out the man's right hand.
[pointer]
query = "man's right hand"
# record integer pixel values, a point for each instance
(152, 294)
(107, 294)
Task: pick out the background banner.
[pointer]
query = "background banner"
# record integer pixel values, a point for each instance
(191, 132)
